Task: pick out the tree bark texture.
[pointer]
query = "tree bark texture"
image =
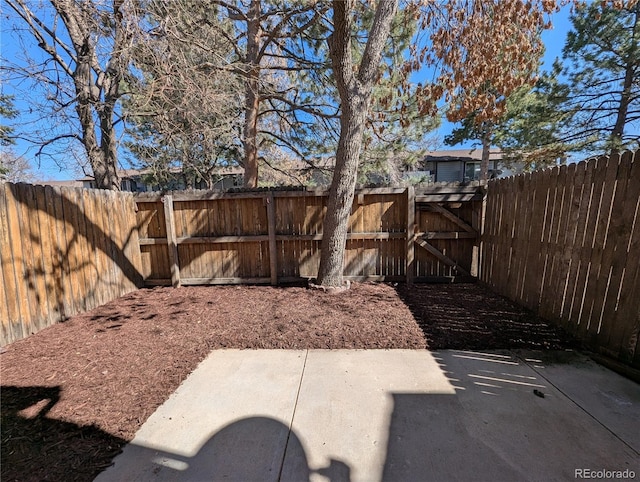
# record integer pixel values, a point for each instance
(252, 96)
(625, 98)
(102, 153)
(486, 152)
(97, 90)
(355, 89)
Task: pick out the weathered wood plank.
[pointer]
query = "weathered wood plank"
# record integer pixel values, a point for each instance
(600, 264)
(85, 252)
(224, 281)
(438, 254)
(48, 271)
(517, 221)
(11, 314)
(446, 235)
(452, 217)
(30, 238)
(282, 237)
(562, 243)
(615, 238)
(595, 235)
(132, 252)
(410, 236)
(273, 249)
(579, 275)
(570, 251)
(171, 241)
(5, 321)
(451, 197)
(550, 244)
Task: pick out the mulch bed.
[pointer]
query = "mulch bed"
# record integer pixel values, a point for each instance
(75, 393)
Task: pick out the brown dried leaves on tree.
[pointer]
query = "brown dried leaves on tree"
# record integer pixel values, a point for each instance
(482, 51)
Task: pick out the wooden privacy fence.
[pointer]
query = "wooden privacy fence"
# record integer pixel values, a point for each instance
(63, 251)
(565, 243)
(274, 236)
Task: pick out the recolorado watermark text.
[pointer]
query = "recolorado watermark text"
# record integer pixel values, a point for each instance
(604, 474)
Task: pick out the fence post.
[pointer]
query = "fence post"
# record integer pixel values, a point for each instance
(172, 243)
(411, 221)
(273, 251)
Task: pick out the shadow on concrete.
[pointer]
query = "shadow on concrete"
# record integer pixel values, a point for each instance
(452, 437)
(36, 447)
(259, 449)
(425, 443)
(506, 422)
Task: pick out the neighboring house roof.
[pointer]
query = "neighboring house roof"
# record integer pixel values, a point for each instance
(474, 154)
(464, 155)
(69, 183)
(128, 173)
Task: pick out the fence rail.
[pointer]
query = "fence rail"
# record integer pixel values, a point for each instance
(63, 251)
(565, 243)
(274, 236)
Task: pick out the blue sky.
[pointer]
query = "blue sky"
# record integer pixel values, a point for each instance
(553, 41)
(48, 170)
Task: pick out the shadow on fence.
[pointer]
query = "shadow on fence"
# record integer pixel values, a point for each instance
(64, 251)
(565, 242)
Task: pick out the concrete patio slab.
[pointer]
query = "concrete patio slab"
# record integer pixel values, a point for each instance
(229, 420)
(605, 395)
(399, 415)
(345, 407)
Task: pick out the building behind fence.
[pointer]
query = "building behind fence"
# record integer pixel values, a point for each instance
(565, 242)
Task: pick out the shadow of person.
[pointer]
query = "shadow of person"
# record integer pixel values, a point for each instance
(37, 447)
(253, 449)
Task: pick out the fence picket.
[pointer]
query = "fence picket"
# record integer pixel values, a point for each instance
(583, 246)
(58, 254)
(570, 253)
(11, 314)
(564, 242)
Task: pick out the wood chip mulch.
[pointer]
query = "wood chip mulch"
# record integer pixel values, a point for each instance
(73, 394)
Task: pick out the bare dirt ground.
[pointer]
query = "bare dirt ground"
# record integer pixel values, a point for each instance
(75, 393)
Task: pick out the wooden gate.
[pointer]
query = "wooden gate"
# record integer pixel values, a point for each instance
(394, 234)
(447, 225)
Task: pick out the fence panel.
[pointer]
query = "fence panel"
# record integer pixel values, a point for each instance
(275, 236)
(63, 251)
(565, 242)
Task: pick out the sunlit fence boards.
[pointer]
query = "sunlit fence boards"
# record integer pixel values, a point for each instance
(565, 242)
(67, 250)
(63, 251)
(275, 236)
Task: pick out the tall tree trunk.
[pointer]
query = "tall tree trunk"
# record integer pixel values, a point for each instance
(625, 98)
(108, 150)
(96, 99)
(341, 193)
(102, 154)
(486, 152)
(252, 96)
(355, 94)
